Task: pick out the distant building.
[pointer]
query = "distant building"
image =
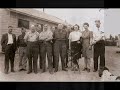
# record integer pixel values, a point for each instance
(118, 42)
(24, 18)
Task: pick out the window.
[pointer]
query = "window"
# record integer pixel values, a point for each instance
(23, 23)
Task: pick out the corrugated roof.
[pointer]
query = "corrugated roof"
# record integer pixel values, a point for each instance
(38, 14)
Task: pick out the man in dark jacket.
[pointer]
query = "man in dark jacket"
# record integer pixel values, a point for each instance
(8, 43)
(21, 44)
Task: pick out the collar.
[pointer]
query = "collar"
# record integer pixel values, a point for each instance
(9, 33)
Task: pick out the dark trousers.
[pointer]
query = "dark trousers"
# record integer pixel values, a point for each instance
(99, 51)
(32, 54)
(60, 49)
(53, 55)
(40, 59)
(46, 49)
(67, 45)
(9, 57)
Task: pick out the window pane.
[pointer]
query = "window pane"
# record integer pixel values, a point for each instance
(23, 23)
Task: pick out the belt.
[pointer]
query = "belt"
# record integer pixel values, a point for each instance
(9, 44)
(47, 41)
(61, 40)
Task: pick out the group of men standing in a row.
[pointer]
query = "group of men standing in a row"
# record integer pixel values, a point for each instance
(35, 45)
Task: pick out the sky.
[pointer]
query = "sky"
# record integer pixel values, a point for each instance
(108, 17)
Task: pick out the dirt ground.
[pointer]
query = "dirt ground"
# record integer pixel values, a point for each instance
(112, 62)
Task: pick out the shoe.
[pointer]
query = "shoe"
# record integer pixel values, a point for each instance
(76, 69)
(64, 69)
(51, 72)
(88, 70)
(84, 69)
(35, 72)
(72, 69)
(55, 70)
(42, 71)
(24, 70)
(66, 66)
(94, 70)
(20, 69)
(29, 72)
(12, 71)
(6, 72)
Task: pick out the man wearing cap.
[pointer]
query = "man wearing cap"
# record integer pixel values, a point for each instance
(60, 37)
(46, 37)
(99, 45)
(31, 39)
(39, 30)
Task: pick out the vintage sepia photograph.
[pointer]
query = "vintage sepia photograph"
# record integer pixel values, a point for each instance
(59, 44)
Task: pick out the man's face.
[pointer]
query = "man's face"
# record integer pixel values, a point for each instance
(53, 28)
(68, 27)
(60, 26)
(10, 30)
(38, 28)
(23, 30)
(32, 29)
(45, 27)
(97, 23)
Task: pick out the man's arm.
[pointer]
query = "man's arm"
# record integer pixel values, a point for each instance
(26, 37)
(15, 42)
(98, 38)
(3, 40)
(18, 42)
(50, 36)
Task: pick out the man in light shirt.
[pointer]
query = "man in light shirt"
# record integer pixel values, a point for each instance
(99, 46)
(46, 37)
(8, 43)
(31, 39)
(39, 30)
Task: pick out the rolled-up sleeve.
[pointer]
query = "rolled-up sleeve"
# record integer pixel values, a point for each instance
(70, 37)
(50, 35)
(26, 36)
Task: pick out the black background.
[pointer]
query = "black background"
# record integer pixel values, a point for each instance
(58, 85)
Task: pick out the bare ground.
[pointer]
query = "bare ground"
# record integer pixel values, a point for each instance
(112, 62)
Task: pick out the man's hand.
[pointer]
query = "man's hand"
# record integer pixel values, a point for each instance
(94, 42)
(78, 41)
(90, 47)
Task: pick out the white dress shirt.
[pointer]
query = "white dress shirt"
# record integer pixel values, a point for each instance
(75, 35)
(98, 34)
(31, 36)
(10, 39)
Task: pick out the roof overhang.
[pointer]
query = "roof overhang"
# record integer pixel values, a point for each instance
(25, 13)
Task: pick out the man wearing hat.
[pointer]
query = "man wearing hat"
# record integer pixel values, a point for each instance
(99, 45)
